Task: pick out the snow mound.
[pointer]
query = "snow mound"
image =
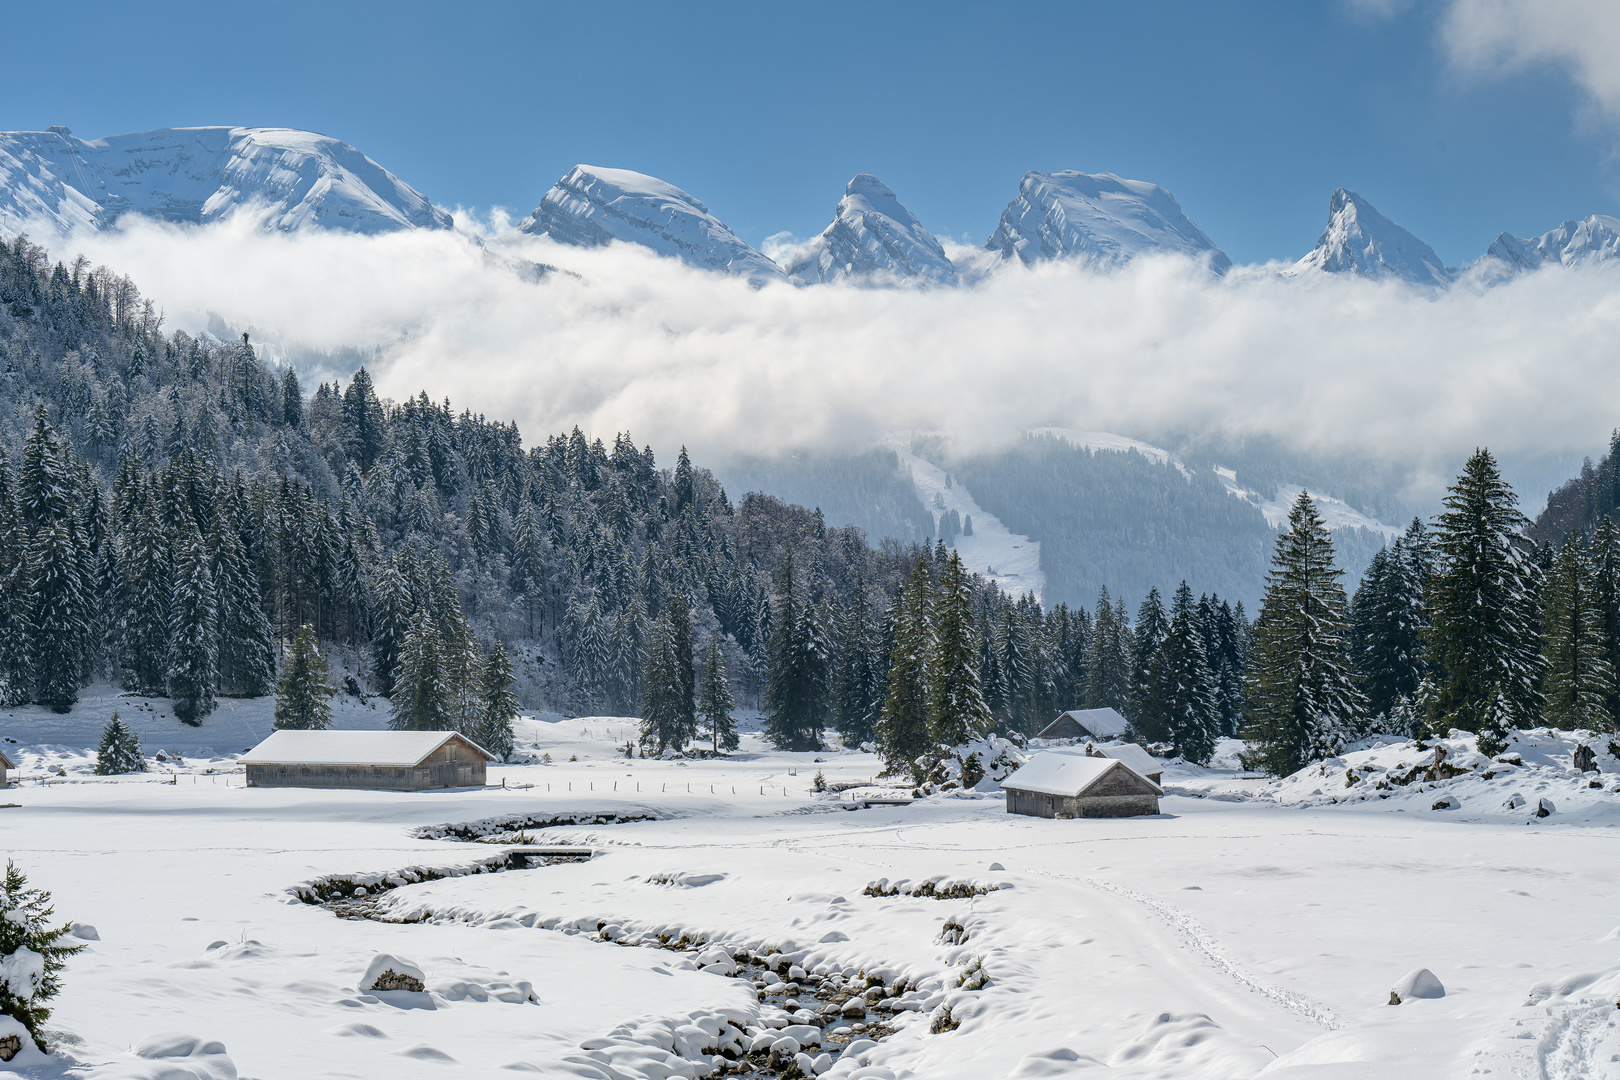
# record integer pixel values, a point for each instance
(1418, 983)
(386, 972)
(184, 1057)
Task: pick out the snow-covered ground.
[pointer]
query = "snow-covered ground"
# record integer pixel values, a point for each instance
(1255, 928)
(998, 553)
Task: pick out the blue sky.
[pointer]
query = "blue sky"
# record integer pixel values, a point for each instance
(1250, 113)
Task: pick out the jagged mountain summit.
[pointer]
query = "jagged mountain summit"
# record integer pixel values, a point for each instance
(1097, 216)
(1359, 240)
(288, 179)
(1574, 243)
(591, 206)
(872, 234)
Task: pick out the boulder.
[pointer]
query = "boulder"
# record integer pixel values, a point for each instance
(387, 972)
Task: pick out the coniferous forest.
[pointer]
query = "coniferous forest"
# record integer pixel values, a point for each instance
(183, 520)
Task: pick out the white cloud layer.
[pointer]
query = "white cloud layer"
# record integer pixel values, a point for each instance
(677, 355)
(1580, 36)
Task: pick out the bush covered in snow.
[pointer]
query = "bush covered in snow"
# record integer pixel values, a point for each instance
(966, 765)
(30, 958)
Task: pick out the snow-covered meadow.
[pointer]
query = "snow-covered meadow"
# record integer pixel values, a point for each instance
(1254, 928)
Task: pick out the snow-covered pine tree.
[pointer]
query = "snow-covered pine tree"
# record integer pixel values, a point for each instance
(193, 629)
(420, 701)
(302, 694)
(855, 697)
(796, 684)
(247, 649)
(144, 636)
(1018, 666)
(31, 954)
(57, 633)
(956, 708)
(1226, 668)
(1149, 719)
(500, 705)
(1387, 617)
(1302, 701)
(16, 680)
(1578, 676)
(1185, 686)
(120, 750)
(715, 704)
(1605, 556)
(1484, 637)
(903, 735)
(1108, 667)
(669, 708)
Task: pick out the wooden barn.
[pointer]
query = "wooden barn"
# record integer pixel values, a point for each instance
(5, 764)
(1101, 724)
(380, 760)
(1077, 786)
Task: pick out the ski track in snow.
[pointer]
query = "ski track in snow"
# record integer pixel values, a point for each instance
(1193, 935)
(999, 554)
(1572, 1047)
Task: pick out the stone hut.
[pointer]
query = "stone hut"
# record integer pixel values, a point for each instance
(378, 760)
(5, 763)
(1099, 724)
(1076, 786)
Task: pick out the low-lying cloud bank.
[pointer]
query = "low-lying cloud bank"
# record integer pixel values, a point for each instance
(618, 338)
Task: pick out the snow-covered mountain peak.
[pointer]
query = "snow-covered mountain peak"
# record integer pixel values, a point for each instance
(872, 233)
(1574, 243)
(1099, 216)
(286, 178)
(592, 206)
(1361, 241)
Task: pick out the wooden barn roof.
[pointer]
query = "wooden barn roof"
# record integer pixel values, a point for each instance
(1069, 774)
(394, 748)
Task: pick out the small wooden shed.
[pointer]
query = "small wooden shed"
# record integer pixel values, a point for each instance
(5, 763)
(379, 760)
(1076, 786)
(1085, 724)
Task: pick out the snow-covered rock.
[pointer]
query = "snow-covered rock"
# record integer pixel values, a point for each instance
(872, 235)
(387, 972)
(592, 206)
(1359, 240)
(1595, 239)
(285, 178)
(1418, 983)
(1100, 217)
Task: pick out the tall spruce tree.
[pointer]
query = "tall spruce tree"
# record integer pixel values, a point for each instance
(668, 702)
(422, 688)
(193, 629)
(1387, 617)
(715, 704)
(500, 705)
(57, 633)
(1605, 557)
(1578, 676)
(1108, 667)
(857, 687)
(144, 629)
(956, 708)
(302, 696)
(1302, 700)
(902, 729)
(1185, 687)
(1149, 718)
(1484, 636)
(247, 648)
(796, 685)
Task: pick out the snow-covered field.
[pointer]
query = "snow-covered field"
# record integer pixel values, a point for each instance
(1255, 928)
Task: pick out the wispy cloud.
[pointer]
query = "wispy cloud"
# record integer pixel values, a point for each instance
(1582, 37)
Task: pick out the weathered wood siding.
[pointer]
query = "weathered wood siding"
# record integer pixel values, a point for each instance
(452, 765)
(1119, 793)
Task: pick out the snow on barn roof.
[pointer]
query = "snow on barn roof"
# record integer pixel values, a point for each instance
(1051, 773)
(1137, 758)
(398, 748)
(1104, 723)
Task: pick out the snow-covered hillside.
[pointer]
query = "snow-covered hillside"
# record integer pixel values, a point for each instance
(286, 178)
(592, 206)
(1001, 555)
(1108, 442)
(1100, 217)
(1359, 240)
(1336, 513)
(873, 236)
(1594, 239)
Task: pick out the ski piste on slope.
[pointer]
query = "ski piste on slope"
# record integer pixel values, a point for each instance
(1336, 513)
(285, 178)
(993, 551)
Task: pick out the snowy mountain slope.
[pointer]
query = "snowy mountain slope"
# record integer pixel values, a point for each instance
(1594, 239)
(1359, 240)
(591, 206)
(1100, 217)
(1111, 443)
(288, 179)
(872, 233)
(1001, 555)
(1336, 513)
